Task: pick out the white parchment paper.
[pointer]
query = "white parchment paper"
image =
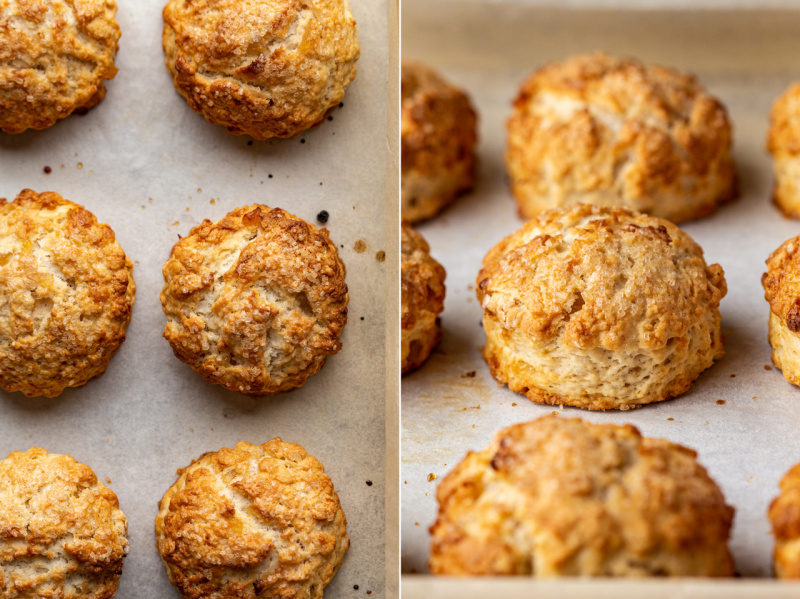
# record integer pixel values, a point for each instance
(144, 163)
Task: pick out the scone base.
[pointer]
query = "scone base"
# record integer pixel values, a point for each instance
(785, 348)
(418, 345)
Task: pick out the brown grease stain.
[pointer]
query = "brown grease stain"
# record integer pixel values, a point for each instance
(360, 246)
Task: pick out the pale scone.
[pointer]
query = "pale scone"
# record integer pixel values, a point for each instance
(422, 299)
(615, 132)
(62, 534)
(267, 68)
(55, 57)
(784, 515)
(437, 129)
(782, 290)
(599, 308)
(783, 142)
(252, 521)
(256, 301)
(66, 294)
(562, 497)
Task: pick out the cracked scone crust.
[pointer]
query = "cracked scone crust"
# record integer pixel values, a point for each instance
(599, 308)
(438, 138)
(422, 298)
(62, 535)
(256, 301)
(267, 68)
(614, 132)
(781, 285)
(783, 142)
(66, 294)
(55, 57)
(253, 521)
(784, 515)
(562, 497)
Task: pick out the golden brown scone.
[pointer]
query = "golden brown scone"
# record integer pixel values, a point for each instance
(267, 68)
(252, 521)
(256, 301)
(437, 130)
(422, 299)
(782, 290)
(562, 497)
(783, 142)
(784, 514)
(55, 57)
(614, 132)
(62, 535)
(66, 294)
(599, 308)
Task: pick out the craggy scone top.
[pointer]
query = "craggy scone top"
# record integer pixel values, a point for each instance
(66, 294)
(268, 68)
(599, 277)
(62, 534)
(563, 497)
(782, 283)
(252, 521)
(256, 301)
(55, 56)
(784, 514)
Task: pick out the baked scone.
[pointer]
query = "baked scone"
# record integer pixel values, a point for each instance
(66, 294)
(256, 301)
(562, 497)
(783, 142)
(252, 521)
(782, 290)
(599, 308)
(422, 297)
(437, 133)
(267, 68)
(55, 58)
(614, 132)
(784, 515)
(62, 534)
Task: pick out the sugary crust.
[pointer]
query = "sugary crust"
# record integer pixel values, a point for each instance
(62, 535)
(782, 291)
(256, 301)
(55, 57)
(438, 138)
(253, 521)
(784, 515)
(267, 68)
(562, 497)
(66, 294)
(599, 308)
(783, 142)
(422, 298)
(614, 132)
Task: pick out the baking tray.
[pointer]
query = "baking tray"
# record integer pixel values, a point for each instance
(144, 163)
(452, 404)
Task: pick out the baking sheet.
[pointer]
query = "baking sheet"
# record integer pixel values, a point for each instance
(452, 404)
(144, 163)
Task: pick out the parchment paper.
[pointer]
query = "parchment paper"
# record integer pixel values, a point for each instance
(744, 57)
(144, 163)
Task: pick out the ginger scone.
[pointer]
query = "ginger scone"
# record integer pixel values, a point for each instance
(267, 68)
(783, 143)
(252, 521)
(256, 301)
(562, 497)
(422, 293)
(599, 308)
(612, 131)
(437, 132)
(62, 534)
(55, 57)
(66, 294)
(784, 515)
(782, 290)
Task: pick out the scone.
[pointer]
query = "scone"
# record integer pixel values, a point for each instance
(252, 521)
(267, 68)
(784, 515)
(437, 131)
(422, 297)
(783, 142)
(62, 534)
(782, 290)
(614, 132)
(599, 308)
(66, 294)
(562, 497)
(256, 301)
(55, 58)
